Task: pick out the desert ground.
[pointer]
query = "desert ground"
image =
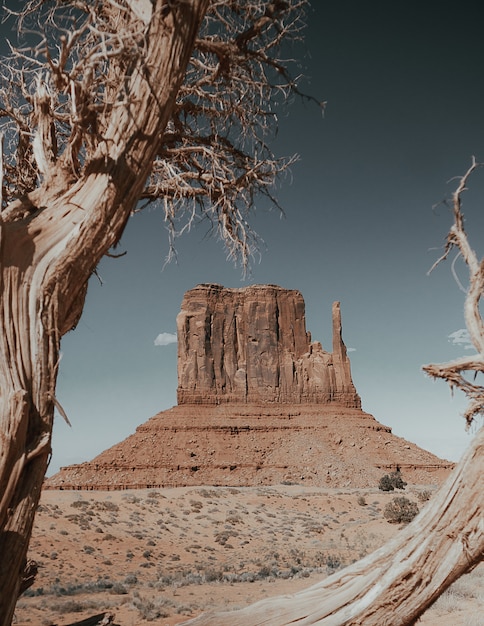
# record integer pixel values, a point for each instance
(161, 556)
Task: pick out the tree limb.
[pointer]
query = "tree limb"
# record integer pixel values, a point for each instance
(452, 372)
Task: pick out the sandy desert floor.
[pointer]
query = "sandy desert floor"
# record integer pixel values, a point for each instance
(163, 556)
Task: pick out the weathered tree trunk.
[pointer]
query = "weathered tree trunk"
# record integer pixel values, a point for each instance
(399, 581)
(49, 245)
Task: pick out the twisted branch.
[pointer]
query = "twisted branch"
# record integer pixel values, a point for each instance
(454, 371)
(213, 161)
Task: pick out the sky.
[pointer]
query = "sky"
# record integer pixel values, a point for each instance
(365, 219)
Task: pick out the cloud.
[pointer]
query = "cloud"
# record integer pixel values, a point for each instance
(350, 349)
(164, 339)
(461, 338)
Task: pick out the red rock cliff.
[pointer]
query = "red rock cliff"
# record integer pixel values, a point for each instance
(251, 345)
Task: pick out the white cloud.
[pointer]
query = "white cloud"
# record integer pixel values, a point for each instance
(350, 349)
(164, 339)
(461, 338)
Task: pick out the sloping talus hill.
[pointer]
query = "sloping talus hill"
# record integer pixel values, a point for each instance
(249, 444)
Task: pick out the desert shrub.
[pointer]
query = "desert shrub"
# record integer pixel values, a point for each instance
(79, 504)
(119, 589)
(131, 579)
(33, 592)
(131, 498)
(390, 482)
(264, 572)
(107, 505)
(362, 501)
(400, 511)
(156, 494)
(72, 606)
(424, 496)
(212, 493)
(212, 575)
(192, 578)
(150, 610)
(385, 483)
(332, 563)
(223, 536)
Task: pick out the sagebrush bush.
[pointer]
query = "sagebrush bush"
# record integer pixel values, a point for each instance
(424, 496)
(400, 510)
(151, 610)
(390, 482)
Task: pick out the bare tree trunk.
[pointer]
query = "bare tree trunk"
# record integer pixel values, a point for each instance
(49, 245)
(399, 581)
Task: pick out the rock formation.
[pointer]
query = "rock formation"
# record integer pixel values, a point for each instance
(251, 345)
(258, 403)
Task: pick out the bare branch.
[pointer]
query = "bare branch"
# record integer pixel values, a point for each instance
(452, 372)
(214, 159)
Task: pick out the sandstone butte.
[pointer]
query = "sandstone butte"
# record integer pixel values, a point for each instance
(259, 403)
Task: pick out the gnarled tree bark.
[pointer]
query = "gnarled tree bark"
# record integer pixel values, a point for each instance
(50, 243)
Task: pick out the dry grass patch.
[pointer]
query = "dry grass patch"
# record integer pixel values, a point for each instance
(134, 554)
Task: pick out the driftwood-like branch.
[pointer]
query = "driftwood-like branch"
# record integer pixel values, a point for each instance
(102, 619)
(455, 372)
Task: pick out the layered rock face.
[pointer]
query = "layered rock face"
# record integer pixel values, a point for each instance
(251, 345)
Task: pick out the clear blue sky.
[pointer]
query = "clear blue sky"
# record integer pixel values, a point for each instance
(405, 101)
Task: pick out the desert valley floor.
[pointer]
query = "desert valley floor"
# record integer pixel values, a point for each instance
(161, 556)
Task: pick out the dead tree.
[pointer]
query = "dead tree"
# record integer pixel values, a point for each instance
(115, 101)
(400, 580)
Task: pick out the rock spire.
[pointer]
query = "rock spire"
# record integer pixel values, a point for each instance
(251, 345)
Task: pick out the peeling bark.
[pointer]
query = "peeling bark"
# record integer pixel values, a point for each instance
(49, 245)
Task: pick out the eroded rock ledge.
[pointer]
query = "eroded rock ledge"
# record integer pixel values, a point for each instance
(251, 345)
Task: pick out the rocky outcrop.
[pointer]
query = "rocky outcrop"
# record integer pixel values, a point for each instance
(251, 345)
